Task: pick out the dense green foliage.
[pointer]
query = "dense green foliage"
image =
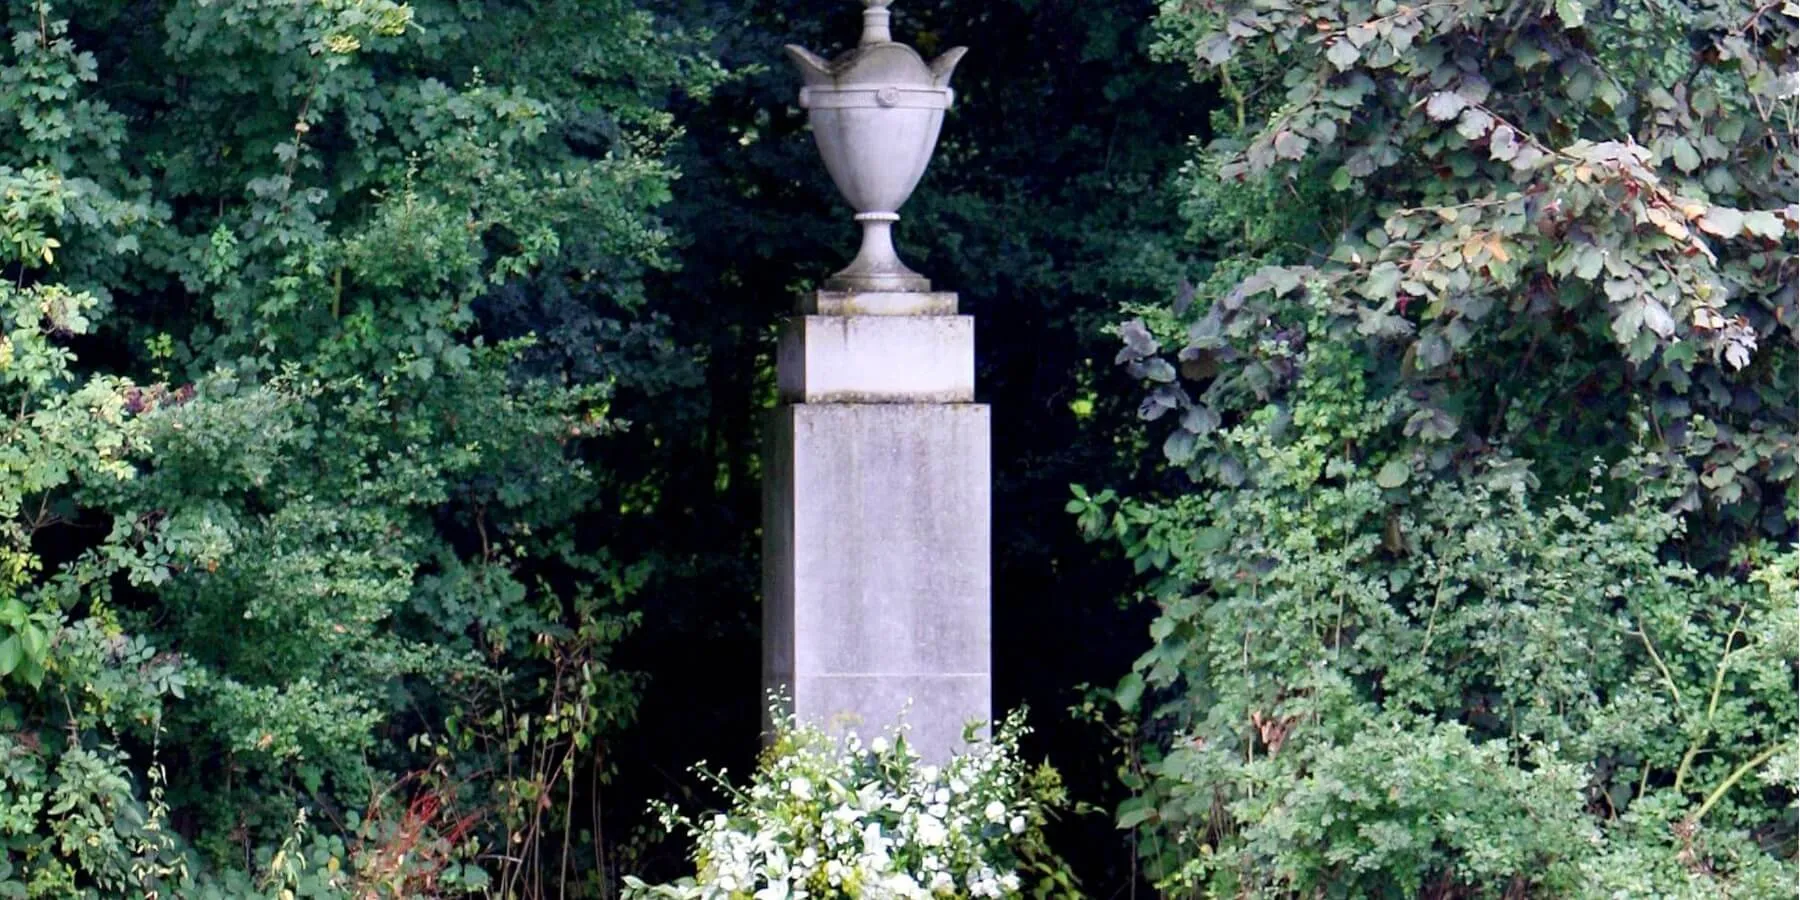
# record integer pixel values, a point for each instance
(380, 386)
(1482, 578)
(314, 532)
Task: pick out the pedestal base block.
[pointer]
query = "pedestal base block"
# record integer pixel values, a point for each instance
(877, 359)
(876, 566)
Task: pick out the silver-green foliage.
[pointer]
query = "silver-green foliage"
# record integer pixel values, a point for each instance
(1366, 680)
(1474, 564)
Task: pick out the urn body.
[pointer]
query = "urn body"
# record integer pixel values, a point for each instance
(876, 113)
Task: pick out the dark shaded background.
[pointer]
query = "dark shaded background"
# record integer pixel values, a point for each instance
(1047, 208)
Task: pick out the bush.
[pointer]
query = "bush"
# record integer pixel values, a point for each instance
(1367, 680)
(825, 819)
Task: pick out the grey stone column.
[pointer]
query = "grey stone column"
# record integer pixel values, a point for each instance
(876, 519)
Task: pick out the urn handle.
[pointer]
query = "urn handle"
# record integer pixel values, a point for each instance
(814, 68)
(946, 64)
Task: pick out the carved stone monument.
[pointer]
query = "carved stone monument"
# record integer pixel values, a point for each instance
(877, 484)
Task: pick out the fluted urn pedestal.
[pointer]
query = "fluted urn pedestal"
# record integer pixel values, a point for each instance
(877, 482)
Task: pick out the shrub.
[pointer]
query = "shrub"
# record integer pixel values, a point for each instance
(825, 819)
(1367, 680)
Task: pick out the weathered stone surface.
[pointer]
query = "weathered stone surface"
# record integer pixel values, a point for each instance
(877, 359)
(878, 303)
(877, 565)
(934, 708)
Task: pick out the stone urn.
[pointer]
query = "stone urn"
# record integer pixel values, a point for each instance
(875, 113)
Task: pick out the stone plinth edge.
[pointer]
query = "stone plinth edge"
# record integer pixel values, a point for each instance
(876, 359)
(879, 303)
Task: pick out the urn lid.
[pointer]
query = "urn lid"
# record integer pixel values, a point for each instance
(877, 58)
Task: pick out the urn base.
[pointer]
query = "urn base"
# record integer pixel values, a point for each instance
(860, 283)
(877, 268)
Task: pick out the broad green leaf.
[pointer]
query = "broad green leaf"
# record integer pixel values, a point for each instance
(1179, 446)
(1503, 144)
(1589, 261)
(11, 653)
(1395, 474)
(1474, 124)
(1445, 105)
(1682, 151)
(1764, 224)
(1722, 221)
(1289, 145)
(1129, 691)
(1382, 282)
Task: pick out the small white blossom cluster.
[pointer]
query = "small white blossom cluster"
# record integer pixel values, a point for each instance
(826, 819)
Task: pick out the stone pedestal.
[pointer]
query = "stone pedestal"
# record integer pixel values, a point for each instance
(876, 519)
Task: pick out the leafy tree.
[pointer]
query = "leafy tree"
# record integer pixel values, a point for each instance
(1474, 566)
(312, 546)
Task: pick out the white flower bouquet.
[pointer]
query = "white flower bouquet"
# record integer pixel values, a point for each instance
(829, 819)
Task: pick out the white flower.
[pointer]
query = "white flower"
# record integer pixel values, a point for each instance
(995, 811)
(1017, 825)
(931, 831)
(801, 788)
(879, 745)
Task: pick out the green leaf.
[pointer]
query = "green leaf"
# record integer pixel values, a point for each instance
(1395, 474)
(1434, 350)
(1129, 691)
(1136, 811)
(1657, 317)
(1201, 420)
(1383, 280)
(1589, 260)
(1289, 145)
(1765, 224)
(1445, 105)
(1722, 221)
(1628, 321)
(11, 653)
(1682, 151)
(1343, 54)
(1503, 144)
(31, 672)
(34, 641)
(1474, 124)
(1573, 13)
(1179, 447)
